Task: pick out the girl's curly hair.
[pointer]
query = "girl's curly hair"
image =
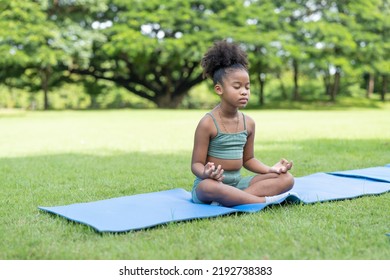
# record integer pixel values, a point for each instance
(221, 56)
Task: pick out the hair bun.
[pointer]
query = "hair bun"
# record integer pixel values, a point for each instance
(222, 55)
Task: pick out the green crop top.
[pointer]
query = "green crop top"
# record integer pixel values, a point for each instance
(227, 145)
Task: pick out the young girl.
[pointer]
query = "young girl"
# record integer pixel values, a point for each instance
(224, 139)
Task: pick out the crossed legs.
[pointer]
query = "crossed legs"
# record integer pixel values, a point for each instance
(261, 185)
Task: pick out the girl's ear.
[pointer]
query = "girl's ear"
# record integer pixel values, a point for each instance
(218, 89)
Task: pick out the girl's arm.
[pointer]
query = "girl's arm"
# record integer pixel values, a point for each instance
(199, 167)
(249, 160)
(253, 164)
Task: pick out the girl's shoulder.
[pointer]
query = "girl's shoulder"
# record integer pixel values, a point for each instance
(207, 118)
(207, 123)
(248, 119)
(250, 123)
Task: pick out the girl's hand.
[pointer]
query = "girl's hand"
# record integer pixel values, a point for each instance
(282, 166)
(213, 173)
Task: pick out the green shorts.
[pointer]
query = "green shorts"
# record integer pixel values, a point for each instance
(232, 178)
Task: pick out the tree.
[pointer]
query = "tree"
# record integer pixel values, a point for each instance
(372, 38)
(332, 43)
(293, 15)
(154, 47)
(262, 40)
(28, 54)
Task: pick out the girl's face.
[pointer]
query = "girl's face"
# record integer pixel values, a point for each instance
(235, 88)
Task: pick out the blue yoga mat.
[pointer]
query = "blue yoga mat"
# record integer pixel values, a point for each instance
(142, 211)
(374, 173)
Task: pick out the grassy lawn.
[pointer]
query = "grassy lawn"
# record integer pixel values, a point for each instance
(57, 158)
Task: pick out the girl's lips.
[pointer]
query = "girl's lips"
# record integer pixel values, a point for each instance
(243, 100)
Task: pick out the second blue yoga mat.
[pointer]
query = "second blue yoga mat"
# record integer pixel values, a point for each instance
(150, 209)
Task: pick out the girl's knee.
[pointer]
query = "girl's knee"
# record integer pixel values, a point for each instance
(207, 189)
(288, 181)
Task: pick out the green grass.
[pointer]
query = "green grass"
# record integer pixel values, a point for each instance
(56, 158)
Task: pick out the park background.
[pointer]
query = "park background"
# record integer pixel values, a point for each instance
(78, 54)
(95, 100)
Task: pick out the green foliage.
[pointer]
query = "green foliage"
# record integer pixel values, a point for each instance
(153, 48)
(200, 97)
(72, 96)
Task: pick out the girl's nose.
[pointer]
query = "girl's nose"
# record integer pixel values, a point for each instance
(244, 92)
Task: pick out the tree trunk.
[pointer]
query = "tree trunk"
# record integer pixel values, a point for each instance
(261, 78)
(384, 87)
(94, 104)
(169, 101)
(370, 85)
(327, 84)
(336, 85)
(282, 87)
(296, 96)
(45, 73)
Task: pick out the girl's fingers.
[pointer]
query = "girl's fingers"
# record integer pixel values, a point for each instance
(220, 174)
(220, 179)
(217, 174)
(213, 172)
(274, 170)
(209, 168)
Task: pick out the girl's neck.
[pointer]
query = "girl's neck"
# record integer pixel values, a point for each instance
(227, 111)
